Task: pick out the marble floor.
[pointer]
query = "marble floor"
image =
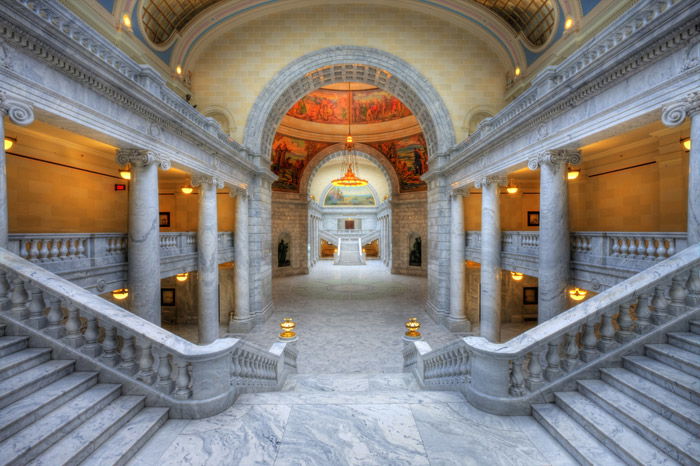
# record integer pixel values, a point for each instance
(350, 404)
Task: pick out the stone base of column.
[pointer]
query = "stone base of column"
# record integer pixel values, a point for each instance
(436, 314)
(241, 326)
(262, 317)
(458, 325)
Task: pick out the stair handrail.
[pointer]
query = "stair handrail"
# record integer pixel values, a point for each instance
(124, 347)
(506, 378)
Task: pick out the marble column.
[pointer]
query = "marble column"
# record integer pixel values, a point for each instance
(554, 250)
(19, 114)
(457, 320)
(207, 260)
(143, 269)
(242, 320)
(673, 115)
(490, 327)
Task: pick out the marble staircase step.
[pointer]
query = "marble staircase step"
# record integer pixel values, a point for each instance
(672, 379)
(81, 442)
(28, 409)
(22, 360)
(687, 341)
(31, 380)
(129, 439)
(350, 397)
(670, 438)
(664, 402)
(675, 357)
(695, 326)
(26, 444)
(583, 446)
(9, 345)
(620, 439)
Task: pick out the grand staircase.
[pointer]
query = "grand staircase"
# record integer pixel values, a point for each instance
(350, 252)
(51, 414)
(645, 412)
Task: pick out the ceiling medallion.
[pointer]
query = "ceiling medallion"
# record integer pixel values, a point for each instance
(350, 177)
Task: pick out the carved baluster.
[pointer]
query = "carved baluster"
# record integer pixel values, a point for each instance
(607, 332)
(659, 306)
(626, 324)
(677, 295)
(146, 373)
(517, 381)
(632, 250)
(92, 347)
(110, 355)
(693, 287)
(53, 253)
(165, 382)
(4, 291)
(553, 370)
(18, 300)
(671, 247)
(36, 309)
(534, 377)
(128, 355)
(64, 249)
(81, 248)
(54, 317)
(590, 342)
(571, 361)
(182, 382)
(24, 249)
(643, 314)
(34, 250)
(73, 336)
(623, 247)
(615, 247)
(71, 248)
(651, 249)
(661, 250)
(44, 250)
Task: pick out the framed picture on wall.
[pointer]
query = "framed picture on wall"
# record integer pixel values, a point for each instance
(530, 295)
(164, 219)
(167, 296)
(533, 218)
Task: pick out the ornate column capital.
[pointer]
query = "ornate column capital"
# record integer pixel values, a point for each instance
(236, 191)
(675, 113)
(554, 157)
(141, 158)
(461, 191)
(200, 179)
(491, 179)
(20, 113)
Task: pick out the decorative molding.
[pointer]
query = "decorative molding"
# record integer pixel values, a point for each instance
(200, 179)
(20, 113)
(554, 157)
(141, 158)
(491, 179)
(675, 113)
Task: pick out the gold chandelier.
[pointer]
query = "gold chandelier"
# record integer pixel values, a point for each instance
(349, 178)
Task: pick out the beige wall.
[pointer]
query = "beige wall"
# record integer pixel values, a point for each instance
(232, 71)
(184, 211)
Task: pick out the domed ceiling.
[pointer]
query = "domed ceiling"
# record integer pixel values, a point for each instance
(321, 118)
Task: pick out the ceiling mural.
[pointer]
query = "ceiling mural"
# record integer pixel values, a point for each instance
(289, 158)
(409, 157)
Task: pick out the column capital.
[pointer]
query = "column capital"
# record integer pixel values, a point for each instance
(554, 157)
(200, 179)
(19, 112)
(236, 191)
(141, 158)
(491, 179)
(675, 113)
(461, 191)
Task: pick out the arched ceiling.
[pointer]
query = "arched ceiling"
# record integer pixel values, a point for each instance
(532, 18)
(162, 18)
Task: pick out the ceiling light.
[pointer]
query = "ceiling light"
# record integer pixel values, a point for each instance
(568, 24)
(182, 277)
(125, 173)
(577, 294)
(120, 294)
(573, 173)
(517, 276)
(349, 178)
(126, 20)
(178, 69)
(511, 188)
(517, 71)
(685, 142)
(9, 142)
(187, 189)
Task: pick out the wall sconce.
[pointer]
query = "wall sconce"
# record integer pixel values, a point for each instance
(568, 24)
(685, 142)
(517, 71)
(178, 70)
(126, 20)
(187, 189)
(573, 173)
(182, 277)
(125, 173)
(120, 294)
(516, 276)
(9, 142)
(511, 188)
(577, 294)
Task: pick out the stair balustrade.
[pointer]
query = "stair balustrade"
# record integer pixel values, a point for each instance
(506, 378)
(190, 379)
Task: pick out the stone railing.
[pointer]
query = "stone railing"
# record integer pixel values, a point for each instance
(194, 381)
(599, 259)
(507, 378)
(97, 261)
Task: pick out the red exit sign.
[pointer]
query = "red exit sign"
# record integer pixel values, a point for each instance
(120, 187)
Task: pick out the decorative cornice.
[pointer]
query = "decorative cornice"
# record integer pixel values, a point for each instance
(675, 113)
(20, 113)
(141, 158)
(491, 179)
(554, 157)
(200, 179)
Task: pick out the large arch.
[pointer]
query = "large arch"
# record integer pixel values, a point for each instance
(348, 63)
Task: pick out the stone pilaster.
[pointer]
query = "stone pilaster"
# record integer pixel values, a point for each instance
(554, 250)
(457, 320)
(438, 304)
(207, 260)
(260, 242)
(490, 327)
(673, 115)
(144, 232)
(242, 320)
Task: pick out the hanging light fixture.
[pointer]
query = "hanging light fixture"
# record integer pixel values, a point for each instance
(182, 277)
(511, 188)
(349, 178)
(516, 276)
(187, 189)
(577, 294)
(9, 142)
(120, 294)
(125, 173)
(573, 173)
(685, 142)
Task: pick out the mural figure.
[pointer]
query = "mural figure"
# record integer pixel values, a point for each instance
(282, 249)
(331, 106)
(409, 158)
(414, 257)
(289, 158)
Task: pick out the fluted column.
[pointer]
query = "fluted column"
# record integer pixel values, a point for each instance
(554, 250)
(20, 114)
(673, 115)
(207, 260)
(144, 232)
(490, 326)
(457, 320)
(242, 320)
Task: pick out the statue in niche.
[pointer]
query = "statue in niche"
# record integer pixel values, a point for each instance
(414, 257)
(282, 260)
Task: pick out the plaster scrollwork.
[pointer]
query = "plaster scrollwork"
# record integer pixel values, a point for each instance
(692, 59)
(141, 158)
(491, 179)
(554, 157)
(675, 113)
(6, 55)
(238, 191)
(202, 179)
(20, 113)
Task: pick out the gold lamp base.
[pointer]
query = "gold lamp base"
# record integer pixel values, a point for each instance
(288, 326)
(412, 327)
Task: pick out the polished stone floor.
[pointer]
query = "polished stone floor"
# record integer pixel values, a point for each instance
(350, 404)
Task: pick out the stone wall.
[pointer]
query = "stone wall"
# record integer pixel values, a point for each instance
(409, 217)
(290, 222)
